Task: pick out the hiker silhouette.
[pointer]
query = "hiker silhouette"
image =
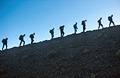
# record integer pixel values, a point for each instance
(99, 23)
(62, 30)
(4, 41)
(110, 19)
(21, 38)
(32, 36)
(75, 27)
(84, 25)
(52, 33)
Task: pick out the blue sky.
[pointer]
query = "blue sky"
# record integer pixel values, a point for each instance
(28, 16)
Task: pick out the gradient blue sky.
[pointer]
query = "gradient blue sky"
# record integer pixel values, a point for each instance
(28, 16)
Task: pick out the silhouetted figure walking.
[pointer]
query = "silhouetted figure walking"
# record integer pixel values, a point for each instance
(52, 33)
(32, 36)
(4, 41)
(75, 27)
(100, 24)
(110, 18)
(62, 30)
(21, 38)
(84, 25)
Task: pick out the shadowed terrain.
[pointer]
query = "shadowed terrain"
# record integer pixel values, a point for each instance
(86, 55)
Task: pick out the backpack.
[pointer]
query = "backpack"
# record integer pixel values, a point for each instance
(61, 27)
(20, 38)
(98, 21)
(31, 36)
(3, 40)
(82, 23)
(75, 26)
(109, 18)
(50, 31)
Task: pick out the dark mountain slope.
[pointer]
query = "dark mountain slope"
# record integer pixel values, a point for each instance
(90, 54)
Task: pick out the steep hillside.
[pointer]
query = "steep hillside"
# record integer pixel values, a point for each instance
(86, 55)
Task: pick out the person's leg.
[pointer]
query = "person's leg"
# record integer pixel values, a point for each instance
(98, 26)
(84, 28)
(113, 23)
(3, 47)
(52, 35)
(61, 32)
(20, 43)
(109, 23)
(102, 26)
(23, 43)
(75, 31)
(32, 40)
(6, 46)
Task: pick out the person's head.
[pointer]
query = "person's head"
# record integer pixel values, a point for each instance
(85, 20)
(100, 18)
(33, 33)
(24, 35)
(64, 25)
(76, 22)
(6, 38)
(53, 28)
(111, 15)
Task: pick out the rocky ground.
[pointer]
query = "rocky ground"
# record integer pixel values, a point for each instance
(86, 55)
